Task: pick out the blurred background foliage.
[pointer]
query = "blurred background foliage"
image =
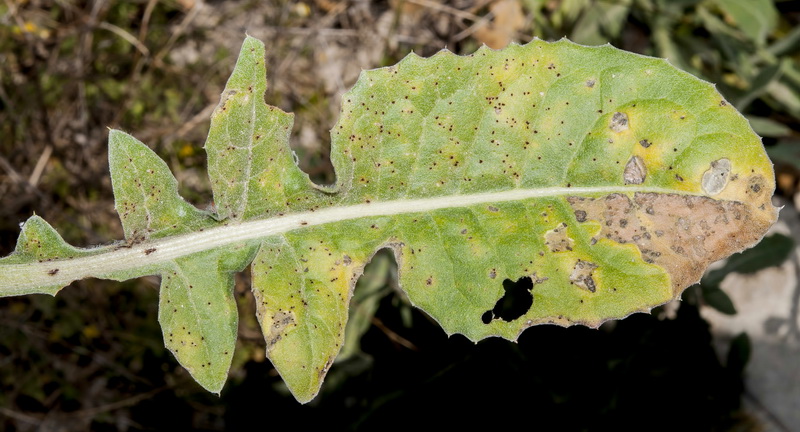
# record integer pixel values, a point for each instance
(93, 357)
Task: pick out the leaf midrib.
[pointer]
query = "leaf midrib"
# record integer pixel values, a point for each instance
(112, 259)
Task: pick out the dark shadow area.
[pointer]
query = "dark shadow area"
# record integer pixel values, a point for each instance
(555, 378)
(516, 301)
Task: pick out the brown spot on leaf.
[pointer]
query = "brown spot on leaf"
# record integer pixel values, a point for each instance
(716, 177)
(756, 184)
(280, 321)
(619, 122)
(635, 171)
(325, 367)
(582, 275)
(690, 231)
(557, 240)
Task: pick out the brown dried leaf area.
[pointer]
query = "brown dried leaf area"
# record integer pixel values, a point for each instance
(683, 234)
(582, 275)
(558, 240)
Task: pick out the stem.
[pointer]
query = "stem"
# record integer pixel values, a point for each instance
(142, 258)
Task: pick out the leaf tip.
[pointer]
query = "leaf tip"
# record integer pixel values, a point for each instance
(116, 139)
(115, 134)
(252, 43)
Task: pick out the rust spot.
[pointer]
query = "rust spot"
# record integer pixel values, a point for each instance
(53, 272)
(149, 251)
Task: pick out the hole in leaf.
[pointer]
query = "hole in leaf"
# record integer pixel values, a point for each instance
(516, 301)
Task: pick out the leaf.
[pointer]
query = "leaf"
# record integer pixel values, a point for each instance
(785, 95)
(715, 297)
(765, 126)
(759, 84)
(739, 354)
(756, 18)
(588, 182)
(601, 22)
(786, 44)
(786, 151)
(771, 251)
(666, 45)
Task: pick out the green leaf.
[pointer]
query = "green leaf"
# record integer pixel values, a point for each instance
(601, 22)
(771, 251)
(767, 127)
(739, 354)
(786, 151)
(759, 84)
(666, 45)
(756, 18)
(252, 170)
(39, 242)
(146, 193)
(717, 299)
(602, 182)
(786, 44)
(785, 95)
(198, 314)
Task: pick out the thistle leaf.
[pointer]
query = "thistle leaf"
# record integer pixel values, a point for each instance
(604, 180)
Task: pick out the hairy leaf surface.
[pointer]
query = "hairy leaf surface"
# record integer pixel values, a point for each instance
(609, 180)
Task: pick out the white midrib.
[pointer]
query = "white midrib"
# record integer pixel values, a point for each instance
(15, 277)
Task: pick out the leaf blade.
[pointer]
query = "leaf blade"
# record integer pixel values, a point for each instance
(146, 193)
(608, 179)
(198, 313)
(250, 164)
